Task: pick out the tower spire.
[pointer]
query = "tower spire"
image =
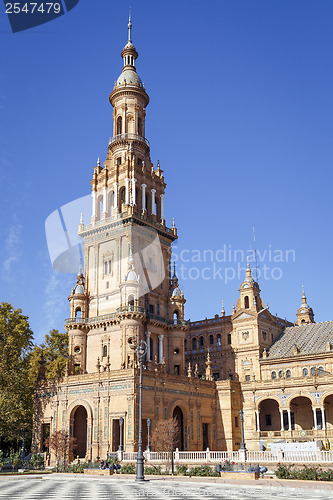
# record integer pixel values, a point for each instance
(129, 27)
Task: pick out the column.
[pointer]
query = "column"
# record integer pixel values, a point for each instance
(123, 128)
(153, 208)
(127, 180)
(93, 208)
(133, 191)
(115, 198)
(160, 348)
(148, 345)
(315, 418)
(258, 420)
(289, 419)
(323, 417)
(162, 206)
(281, 416)
(143, 187)
(104, 200)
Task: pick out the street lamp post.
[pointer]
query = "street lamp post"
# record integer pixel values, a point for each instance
(121, 423)
(241, 416)
(148, 428)
(141, 350)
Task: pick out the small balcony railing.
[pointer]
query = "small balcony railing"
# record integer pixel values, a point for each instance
(131, 137)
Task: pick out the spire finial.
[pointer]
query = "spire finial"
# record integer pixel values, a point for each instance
(173, 222)
(81, 218)
(223, 311)
(129, 26)
(98, 162)
(174, 269)
(248, 269)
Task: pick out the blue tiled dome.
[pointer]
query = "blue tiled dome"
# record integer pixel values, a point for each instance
(130, 77)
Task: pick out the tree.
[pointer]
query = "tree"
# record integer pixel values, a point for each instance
(60, 443)
(55, 352)
(16, 391)
(165, 435)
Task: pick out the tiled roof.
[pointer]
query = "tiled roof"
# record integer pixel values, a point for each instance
(309, 339)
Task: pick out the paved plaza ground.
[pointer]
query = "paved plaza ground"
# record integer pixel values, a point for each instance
(78, 487)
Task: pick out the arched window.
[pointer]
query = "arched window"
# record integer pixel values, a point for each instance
(119, 125)
(185, 344)
(151, 345)
(140, 126)
(175, 317)
(194, 343)
(273, 375)
(288, 374)
(246, 302)
(280, 373)
(219, 340)
(211, 339)
(313, 370)
(305, 372)
(157, 209)
(131, 302)
(78, 312)
(201, 341)
(321, 370)
(105, 351)
(122, 196)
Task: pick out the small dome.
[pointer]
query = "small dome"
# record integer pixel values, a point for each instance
(131, 276)
(79, 289)
(130, 77)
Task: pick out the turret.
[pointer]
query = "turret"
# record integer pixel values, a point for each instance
(305, 313)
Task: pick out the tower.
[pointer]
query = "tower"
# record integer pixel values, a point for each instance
(305, 312)
(127, 247)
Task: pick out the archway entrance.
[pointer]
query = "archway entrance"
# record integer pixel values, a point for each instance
(269, 415)
(178, 414)
(302, 408)
(80, 432)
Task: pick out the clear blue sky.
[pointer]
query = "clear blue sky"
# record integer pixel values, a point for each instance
(240, 118)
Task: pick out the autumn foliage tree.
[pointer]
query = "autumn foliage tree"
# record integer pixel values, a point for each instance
(59, 444)
(165, 435)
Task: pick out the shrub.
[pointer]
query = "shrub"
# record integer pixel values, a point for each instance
(153, 469)
(307, 473)
(181, 470)
(202, 470)
(37, 460)
(2, 459)
(128, 469)
(285, 471)
(227, 465)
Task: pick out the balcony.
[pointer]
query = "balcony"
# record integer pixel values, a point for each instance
(129, 137)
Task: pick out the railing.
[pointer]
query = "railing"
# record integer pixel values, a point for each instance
(179, 322)
(93, 319)
(262, 457)
(131, 137)
(130, 309)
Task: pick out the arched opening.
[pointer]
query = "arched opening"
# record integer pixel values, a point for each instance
(131, 302)
(246, 302)
(194, 343)
(219, 339)
(78, 312)
(105, 351)
(80, 432)
(99, 207)
(119, 125)
(211, 339)
(140, 126)
(302, 408)
(269, 415)
(178, 414)
(185, 344)
(175, 317)
(305, 372)
(157, 209)
(328, 405)
(201, 341)
(122, 197)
